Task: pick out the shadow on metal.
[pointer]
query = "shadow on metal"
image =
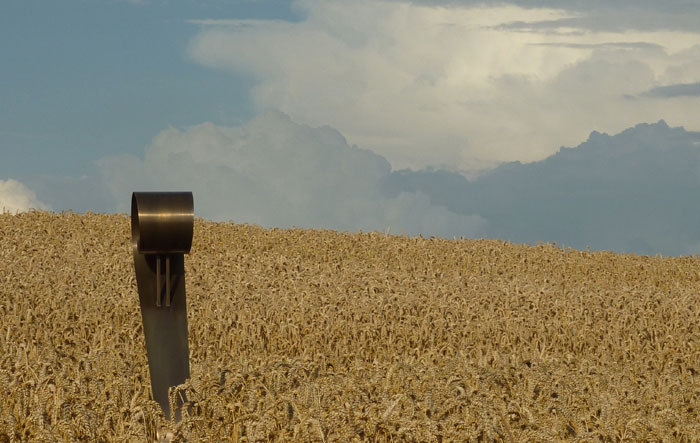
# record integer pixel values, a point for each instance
(161, 233)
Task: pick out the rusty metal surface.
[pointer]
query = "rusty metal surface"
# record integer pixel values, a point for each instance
(161, 230)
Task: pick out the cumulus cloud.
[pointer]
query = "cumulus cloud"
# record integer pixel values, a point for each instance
(458, 86)
(16, 197)
(632, 192)
(275, 172)
(635, 191)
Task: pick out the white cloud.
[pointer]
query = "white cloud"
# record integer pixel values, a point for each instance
(449, 86)
(275, 172)
(16, 197)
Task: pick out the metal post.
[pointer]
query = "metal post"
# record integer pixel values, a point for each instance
(161, 226)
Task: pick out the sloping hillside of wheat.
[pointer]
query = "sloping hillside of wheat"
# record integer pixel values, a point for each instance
(311, 335)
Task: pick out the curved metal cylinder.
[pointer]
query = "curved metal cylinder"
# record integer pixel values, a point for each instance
(162, 222)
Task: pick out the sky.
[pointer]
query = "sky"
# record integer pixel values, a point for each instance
(563, 121)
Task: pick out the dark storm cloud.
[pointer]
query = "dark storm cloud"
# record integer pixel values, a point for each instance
(600, 15)
(616, 20)
(668, 5)
(671, 91)
(632, 192)
(604, 46)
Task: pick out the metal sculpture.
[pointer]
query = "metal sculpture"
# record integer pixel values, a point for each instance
(161, 233)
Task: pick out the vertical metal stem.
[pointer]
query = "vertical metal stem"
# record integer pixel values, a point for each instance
(167, 281)
(158, 280)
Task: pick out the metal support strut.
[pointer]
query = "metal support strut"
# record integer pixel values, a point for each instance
(161, 233)
(159, 285)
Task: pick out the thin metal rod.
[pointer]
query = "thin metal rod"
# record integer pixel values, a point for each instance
(158, 280)
(167, 281)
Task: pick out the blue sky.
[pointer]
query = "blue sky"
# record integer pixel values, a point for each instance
(361, 115)
(83, 79)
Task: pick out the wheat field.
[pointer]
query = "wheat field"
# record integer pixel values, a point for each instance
(314, 335)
